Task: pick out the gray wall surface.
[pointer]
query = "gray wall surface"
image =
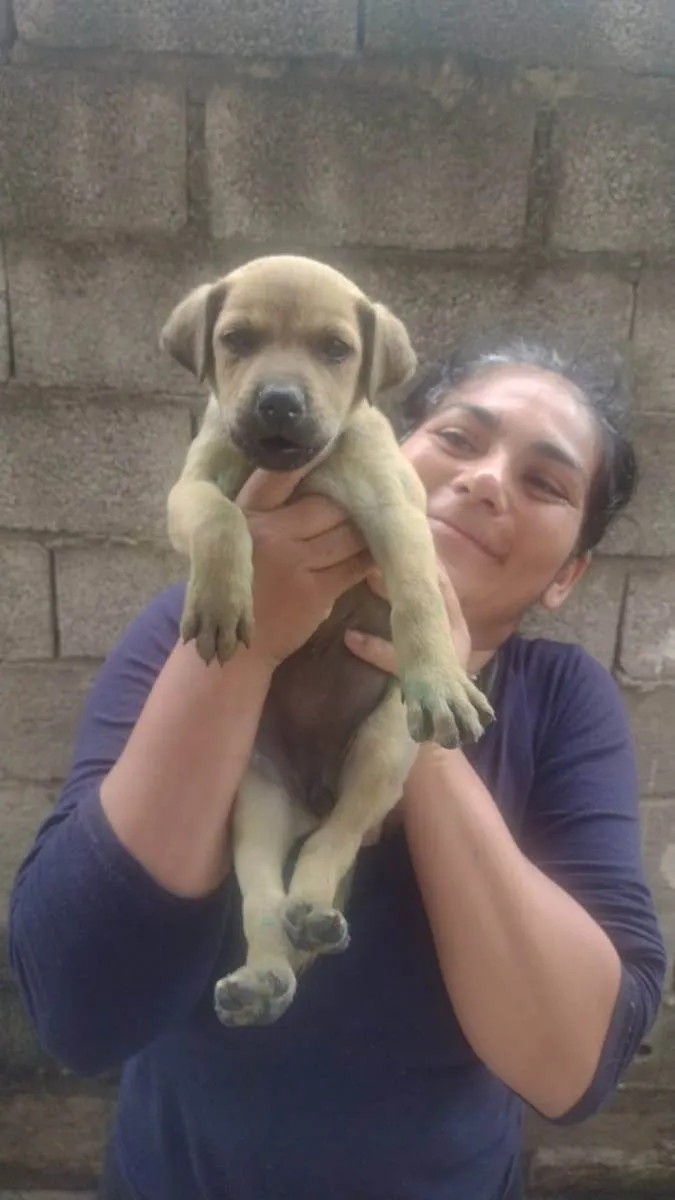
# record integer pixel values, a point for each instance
(469, 162)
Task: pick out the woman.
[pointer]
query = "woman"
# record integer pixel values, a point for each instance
(505, 950)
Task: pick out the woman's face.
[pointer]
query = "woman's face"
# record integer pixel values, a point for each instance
(508, 463)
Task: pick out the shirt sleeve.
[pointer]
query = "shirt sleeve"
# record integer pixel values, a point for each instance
(582, 828)
(105, 958)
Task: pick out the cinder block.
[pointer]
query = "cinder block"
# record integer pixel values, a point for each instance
(81, 151)
(654, 345)
(590, 616)
(647, 527)
(104, 312)
(100, 589)
(95, 468)
(23, 808)
(654, 1068)
(54, 1135)
(652, 716)
(6, 27)
(32, 1195)
(648, 633)
(21, 1055)
(569, 33)
(4, 324)
(367, 160)
(658, 848)
(623, 1152)
(438, 303)
(570, 303)
(88, 319)
(441, 304)
(25, 602)
(232, 27)
(40, 707)
(616, 187)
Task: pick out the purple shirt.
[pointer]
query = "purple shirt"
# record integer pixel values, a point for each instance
(366, 1089)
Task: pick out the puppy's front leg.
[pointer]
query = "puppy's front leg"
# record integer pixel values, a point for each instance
(212, 531)
(368, 474)
(264, 827)
(372, 782)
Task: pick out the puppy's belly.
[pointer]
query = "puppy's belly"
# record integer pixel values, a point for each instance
(319, 698)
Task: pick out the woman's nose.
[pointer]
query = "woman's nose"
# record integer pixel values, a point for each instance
(485, 480)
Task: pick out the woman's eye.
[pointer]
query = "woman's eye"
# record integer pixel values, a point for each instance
(240, 342)
(455, 438)
(545, 485)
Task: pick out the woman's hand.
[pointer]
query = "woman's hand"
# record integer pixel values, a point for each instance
(305, 555)
(380, 652)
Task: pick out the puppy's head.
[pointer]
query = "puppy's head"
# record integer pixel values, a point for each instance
(288, 346)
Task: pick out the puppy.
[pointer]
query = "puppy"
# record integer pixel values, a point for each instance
(295, 357)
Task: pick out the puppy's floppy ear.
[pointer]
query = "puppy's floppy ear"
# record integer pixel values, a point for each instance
(387, 358)
(188, 333)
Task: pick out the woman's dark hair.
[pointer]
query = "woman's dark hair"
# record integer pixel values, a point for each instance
(601, 382)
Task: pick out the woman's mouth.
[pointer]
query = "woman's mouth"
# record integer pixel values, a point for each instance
(459, 531)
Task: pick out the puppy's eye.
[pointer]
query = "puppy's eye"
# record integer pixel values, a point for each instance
(333, 349)
(240, 342)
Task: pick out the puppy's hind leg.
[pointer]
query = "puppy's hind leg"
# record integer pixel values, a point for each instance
(264, 829)
(372, 782)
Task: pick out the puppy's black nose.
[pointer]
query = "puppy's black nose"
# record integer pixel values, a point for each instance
(280, 407)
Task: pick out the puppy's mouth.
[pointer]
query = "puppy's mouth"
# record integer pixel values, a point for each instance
(277, 453)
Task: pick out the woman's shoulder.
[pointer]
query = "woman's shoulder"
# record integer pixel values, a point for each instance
(552, 667)
(154, 630)
(129, 670)
(559, 686)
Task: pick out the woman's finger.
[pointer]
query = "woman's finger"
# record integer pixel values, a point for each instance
(374, 650)
(333, 547)
(345, 574)
(319, 516)
(376, 583)
(265, 490)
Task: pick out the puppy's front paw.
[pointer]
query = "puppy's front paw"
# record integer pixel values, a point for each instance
(218, 615)
(315, 930)
(254, 996)
(444, 706)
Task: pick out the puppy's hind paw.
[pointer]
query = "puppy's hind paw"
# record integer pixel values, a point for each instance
(315, 930)
(254, 996)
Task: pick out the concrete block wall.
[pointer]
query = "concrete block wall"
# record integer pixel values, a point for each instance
(494, 163)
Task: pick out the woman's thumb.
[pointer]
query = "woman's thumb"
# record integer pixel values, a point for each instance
(265, 490)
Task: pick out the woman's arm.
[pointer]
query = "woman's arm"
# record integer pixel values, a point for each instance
(116, 915)
(168, 796)
(555, 970)
(105, 956)
(533, 978)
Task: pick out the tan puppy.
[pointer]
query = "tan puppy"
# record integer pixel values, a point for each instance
(295, 355)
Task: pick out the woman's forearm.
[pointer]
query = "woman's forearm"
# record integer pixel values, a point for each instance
(168, 797)
(532, 977)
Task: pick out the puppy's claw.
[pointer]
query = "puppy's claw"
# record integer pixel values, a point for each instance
(189, 628)
(245, 631)
(216, 621)
(452, 712)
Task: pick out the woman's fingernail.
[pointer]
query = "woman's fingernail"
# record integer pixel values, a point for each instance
(355, 637)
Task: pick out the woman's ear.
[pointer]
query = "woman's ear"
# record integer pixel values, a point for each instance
(565, 581)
